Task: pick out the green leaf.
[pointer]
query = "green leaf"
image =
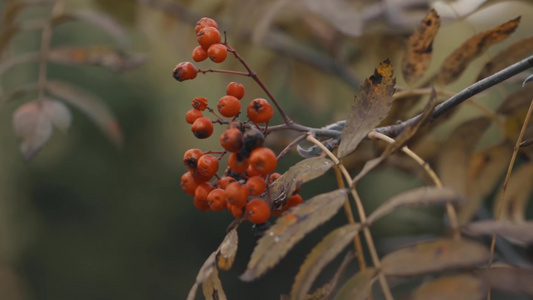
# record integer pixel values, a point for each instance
(460, 287)
(323, 253)
(290, 229)
(358, 287)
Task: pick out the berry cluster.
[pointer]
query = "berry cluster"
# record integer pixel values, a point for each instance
(244, 187)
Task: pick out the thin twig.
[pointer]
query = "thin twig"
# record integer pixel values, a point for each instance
(291, 145)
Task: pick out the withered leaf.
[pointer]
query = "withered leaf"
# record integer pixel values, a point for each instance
(342, 15)
(58, 113)
(326, 291)
(206, 271)
(290, 229)
(507, 57)
(33, 127)
(509, 279)
(325, 251)
(454, 65)
(6, 34)
(228, 250)
(459, 287)
(372, 104)
(93, 107)
(434, 256)
(102, 21)
(212, 287)
(417, 56)
(358, 287)
(515, 101)
(305, 170)
(516, 194)
(102, 55)
(518, 233)
(418, 196)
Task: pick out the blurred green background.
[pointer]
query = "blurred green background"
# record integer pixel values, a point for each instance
(85, 220)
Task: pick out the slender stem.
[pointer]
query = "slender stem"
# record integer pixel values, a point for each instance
(224, 71)
(291, 145)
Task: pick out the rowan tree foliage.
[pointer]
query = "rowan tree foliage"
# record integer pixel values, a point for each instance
(483, 188)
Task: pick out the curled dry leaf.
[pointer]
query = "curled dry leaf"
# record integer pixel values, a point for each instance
(516, 195)
(418, 196)
(454, 65)
(320, 256)
(103, 55)
(33, 127)
(228, 250)
(417, 56)
(358, 287)
(372, 104)
(507, 57)
(305, 170)
(212, 287)
(518, 233)
(290, 229)
(460, 287)
(509, 279)
(437, 255)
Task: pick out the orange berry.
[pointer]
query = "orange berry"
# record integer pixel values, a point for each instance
(229, 106)
(200, 196)
(208, 165)
(199, 54)
(225, 181)
(217, 199)
(236, 211)
(217, 53)
(184, 71)
(188, 184)
(190, 158)
(231, 140)
(236, 194)
(202, 128)
(235, 89)
(263, 160)
(293, 201)
(198, 177)
(260, 111)
(200, 103)
(237, 162)
(257, 211)
(236, 124)
(251, 172)
(192, 115)
(201, 205)
(208, 36)
(273, 178)
(253, 139)
(205, 22)
(256, 185)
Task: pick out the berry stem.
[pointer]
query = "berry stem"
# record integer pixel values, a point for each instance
(224, 71)
(291, 145)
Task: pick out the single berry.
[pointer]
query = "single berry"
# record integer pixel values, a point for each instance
(236, 211)
(202, 128)
(208, 36)
(251, 172)
(208, 165)
(217, 199)
(253, 139)
(236, 194)
(235, 89)
(199, 177)
(231, 140)
(237, 162)
(294, 200)
(256, 185)
(200, 103)
(199, 54)
(205, 22)
(200, 196)
(184, 71)
(260, 111)
(229, 106)
(225, 181)
(201, 204)
(257, 211)
(191, 157)
(217, 53)
(263, 160)
(188, 184)
(273, 178)
(192, 115)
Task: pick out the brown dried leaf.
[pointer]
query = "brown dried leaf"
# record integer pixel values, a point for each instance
(434, 256)
(417, 56)
(507, 57)
(6, 35)
(323, 253)
(517, 194)
(516, 101)
(290, 229)
(372, 104)
(415, 197)
(228, 250)
(33, 127)
(93, 107)
(518, 233)
(359, 286)
(454, 65)
(304, 171)
(326, 291)
(460, 287)
(508, 279)
(103, 55)
(212, 287)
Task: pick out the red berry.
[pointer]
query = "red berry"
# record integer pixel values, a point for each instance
(208, 36)
(217, 53)
(191, 157)
(273, 178)
(257, 211)
(235, 89)
(208, 165)
(231, 140)
(236, 194)
(217, 199)
(260, 111)
(188, 184)
(184, 71)
(263, 160)
(225, 181)
(202, 128)
(236, 211)
(229, 106)
(256, 185)
(293, 201)
(205, 22)
(192, 115)
(237, 162)
(200, 103)
(199, 54)
(200, 196)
